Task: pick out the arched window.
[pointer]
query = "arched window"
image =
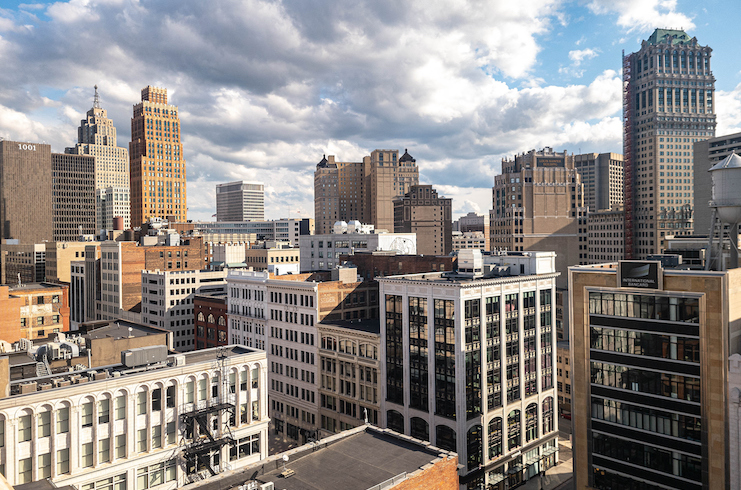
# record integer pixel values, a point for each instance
(222, 321)
(348, 347)
(514, 436)
(531, 422)
(369, 350)
(200, 316)
(474, 447)
(548, 415)
(210, 318)
(495, 438)
(395, 421)
(420, 428)
(445, 438)
(329, 343)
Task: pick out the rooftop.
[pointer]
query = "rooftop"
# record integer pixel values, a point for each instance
(675, 36)
(356, 459)
(119, 329)
(35, 286)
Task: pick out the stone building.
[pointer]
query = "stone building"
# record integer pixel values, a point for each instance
(422, 212)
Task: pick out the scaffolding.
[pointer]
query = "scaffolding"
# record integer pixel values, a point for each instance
(629, 169)
(206, 426)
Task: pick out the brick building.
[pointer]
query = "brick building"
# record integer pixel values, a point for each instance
(210, 311)
(43, 308)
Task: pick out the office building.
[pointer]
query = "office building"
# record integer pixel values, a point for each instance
(73, 196)
(350, 368)
(22, 264)
(164, 421)
(280, 315)
(322, 252)
(468, 363)
(602, 179)
(167, 299)
(278, 258)
(605, 237)
(112, 203)
(422, 212)
(371, 265)
(563, 381)
(248, 231)
(240, 201)
(157, 162)
(26, 176)
(211, 318)
(707, 153)
(668, 105)
(96, 137)
(59, 256)
(114, 282)
(650, 353)
(362, 191)
(470, 239)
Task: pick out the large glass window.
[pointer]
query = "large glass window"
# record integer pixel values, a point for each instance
(103, 411)
(395, 421)
(44, 424)
(514, 435)
(548, 415)
(445, 438)
(418, 354)
(24, 428)
(649, 419)
(156, 474)
(87, 414)
(474, 447)
(646, 381)
(420, 429)
(531, 422)
(63, 421)
(645, 306)
(394, 350)
(120, 407)
(445, 358)
(495, 438)
(62, 461)
(645, 344)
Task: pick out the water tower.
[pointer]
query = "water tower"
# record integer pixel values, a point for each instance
(726, 206)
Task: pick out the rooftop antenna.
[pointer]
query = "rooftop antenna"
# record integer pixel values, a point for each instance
(96, 99)
(19, 280)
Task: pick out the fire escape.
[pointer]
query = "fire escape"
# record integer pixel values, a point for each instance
(206, 426)
(629, 164)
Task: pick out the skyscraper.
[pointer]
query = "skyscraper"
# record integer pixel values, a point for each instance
(96, 137)
(157, 163)
(240, 201)
(668, 105)
(602, 178)
(363, 191)
(73, 196)
(423, 212)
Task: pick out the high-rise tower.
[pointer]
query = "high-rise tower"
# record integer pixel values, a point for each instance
(668, 105)
(157, 163)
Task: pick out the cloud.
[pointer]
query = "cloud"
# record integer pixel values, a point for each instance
(579, 55)
(728, 107)
(643, 15)
(266, 88)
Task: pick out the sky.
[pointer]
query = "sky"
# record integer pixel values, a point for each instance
(265, 88)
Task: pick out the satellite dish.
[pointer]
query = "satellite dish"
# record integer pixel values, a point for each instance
(285, 457)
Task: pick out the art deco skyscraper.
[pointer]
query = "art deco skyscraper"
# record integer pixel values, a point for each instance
(157, 163)
(96, 137)
(667, 106)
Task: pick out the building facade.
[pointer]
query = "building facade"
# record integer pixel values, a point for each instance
(668, 105)
(649, 350)
(25, 173)
(470, 239)
(124, 428)
(167, 299)
(73, 196)
(422, 212)
(214, 231)
(44, 309)
(468, 363)
(322, 252)
(350, 368)
(606, 235)
(113, 202)
(602, 178)
(23, 263)
(240, 201)
(59, 256)
(362, 191)
(157, 163)
(211, 320)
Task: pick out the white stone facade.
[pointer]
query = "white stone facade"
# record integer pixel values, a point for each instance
(125, 428)
(322, 252)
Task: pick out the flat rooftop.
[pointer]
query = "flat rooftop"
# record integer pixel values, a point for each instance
(356, 459)
(120, 329)
(35, 286)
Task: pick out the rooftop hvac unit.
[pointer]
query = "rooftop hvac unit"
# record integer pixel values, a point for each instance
(144, 356)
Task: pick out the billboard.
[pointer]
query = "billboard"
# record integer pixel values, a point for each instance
(640, 274)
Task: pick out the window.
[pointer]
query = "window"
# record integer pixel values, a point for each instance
(62, 425)
(171, 435)
(44, 424)
(141, 403)
(44, 465)
(63, 461)
(156, 474)
(87, 454)
(117, 482)
(104, 451)
(120, 407)
(202, 389)
(170, 397)
(2, 433)
(24, 428)
(141, 440)
(120, 446)
(157, 399)
(189, 392)
(24, 470)
(156, 436)
(244, 447)
(103, 410)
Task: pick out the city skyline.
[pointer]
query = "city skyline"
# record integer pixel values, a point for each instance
(473, 90)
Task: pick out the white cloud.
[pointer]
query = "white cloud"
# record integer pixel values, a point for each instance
(643, 15)
(579, 55)
(728, 107)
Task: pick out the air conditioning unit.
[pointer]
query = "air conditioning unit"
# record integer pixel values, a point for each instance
(267, 486)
